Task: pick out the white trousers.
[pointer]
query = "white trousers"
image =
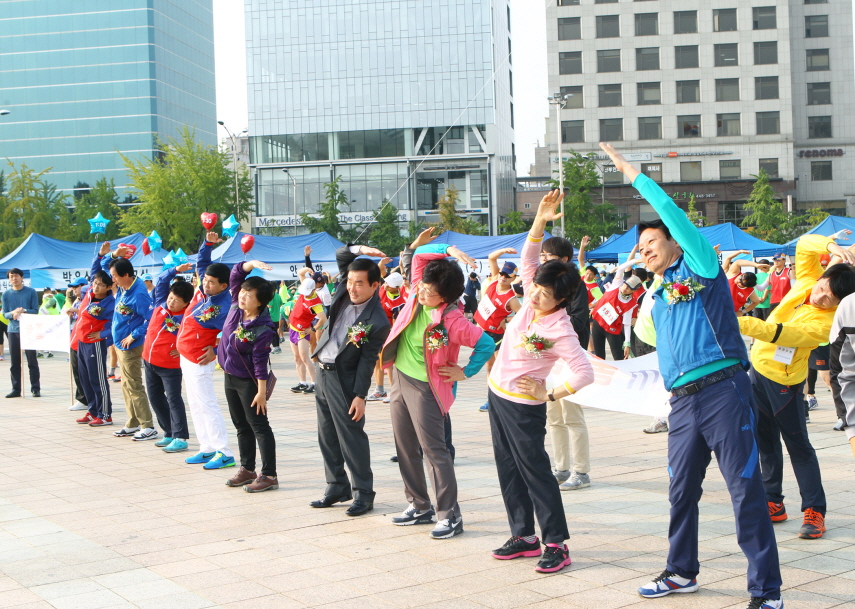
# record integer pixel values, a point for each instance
(569, 432)
(208, 422)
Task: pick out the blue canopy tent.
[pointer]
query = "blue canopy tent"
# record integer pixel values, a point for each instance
(829, 226)
(278, 250)
(612, 248)
(481, 246)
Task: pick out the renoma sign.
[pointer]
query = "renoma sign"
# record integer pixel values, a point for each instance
(344, 218)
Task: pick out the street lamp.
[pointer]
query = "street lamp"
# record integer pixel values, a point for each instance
(560, 102)
(293, 181)
(234, 159)
(4, 112)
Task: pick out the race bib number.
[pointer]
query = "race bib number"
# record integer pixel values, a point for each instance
(486, 308)
(784, 355)
(608, 313)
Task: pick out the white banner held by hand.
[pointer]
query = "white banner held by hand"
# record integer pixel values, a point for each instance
(45, 332)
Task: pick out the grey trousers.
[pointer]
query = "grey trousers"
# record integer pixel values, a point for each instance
(342, 440)
(418, 422)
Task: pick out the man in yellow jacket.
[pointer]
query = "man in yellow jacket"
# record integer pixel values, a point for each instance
(779, 358)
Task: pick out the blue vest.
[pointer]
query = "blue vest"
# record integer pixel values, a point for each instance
(696, 332)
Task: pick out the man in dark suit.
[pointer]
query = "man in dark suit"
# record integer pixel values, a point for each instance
(346, 353)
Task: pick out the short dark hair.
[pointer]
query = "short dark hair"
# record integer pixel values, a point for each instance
(654, 224)
(592, 268)
(446, 278)
(366, 264)
(640, 273)
(558, 246)
(123, 267)
(104, 277)
(262, 287)
(562, 278)
(841, 280)
(15, 271)
(183, 290)
(219, 271)
(749, 280)
(473, 275)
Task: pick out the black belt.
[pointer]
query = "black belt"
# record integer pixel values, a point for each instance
(705, 381)
(325, 366)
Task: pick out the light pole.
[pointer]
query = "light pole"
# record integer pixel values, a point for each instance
(294, 182)
(234, 159)
(560, 102)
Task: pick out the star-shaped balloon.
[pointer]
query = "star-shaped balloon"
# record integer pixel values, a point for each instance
(179, 257)
(169, 261)
(98, 224)
(230, 226)
(154, 241)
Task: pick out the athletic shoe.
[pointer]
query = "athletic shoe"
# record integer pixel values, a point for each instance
(116, 379)
(49, 354)
(668, 583)
(85, 419)
(13, 394)
(555, 558)
(485, 407)
(413, 516)
(777, 511)
(40, 354)
(446, 528)
(199, 458)
(37, 393)
(517, 547)
(125, 432)
(96, 422)
(812, 403)
(176, 446)
(78, 405)
(149, 433)
(764, 603)
(375, 396)
(813, 525)
(275, 351)
(111, 376)
(220, 461)
(387, 400)
(164, 441)
(576, 482)
(309, 389)
(243, 476)
(807, 418)
(657, 426)
(261, 484)
(839, 426)
(298, 388)
(561, 475)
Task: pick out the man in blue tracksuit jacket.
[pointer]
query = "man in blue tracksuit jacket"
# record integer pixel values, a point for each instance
(703, 363)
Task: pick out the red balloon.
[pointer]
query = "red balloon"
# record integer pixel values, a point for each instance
(132, 249)
(209, 220)
(246, 243)
(146, 248)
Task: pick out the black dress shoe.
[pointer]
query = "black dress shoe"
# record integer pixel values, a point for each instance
(330, 500)
(13, 394)
(359, 507)
(37, 393)
(393, 458)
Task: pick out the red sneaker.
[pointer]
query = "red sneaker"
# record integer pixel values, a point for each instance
(87, 418)
(96, 422)
(777, 511)
(813, 525)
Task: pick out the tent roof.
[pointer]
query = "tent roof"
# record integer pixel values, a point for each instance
(481, 246)
(609, 250)
(829, 226)
(278, 250)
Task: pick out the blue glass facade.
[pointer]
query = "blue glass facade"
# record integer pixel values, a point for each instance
(87, 80)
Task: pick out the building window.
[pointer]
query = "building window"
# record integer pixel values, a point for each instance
(765, 18)
(724, 20)
(766, 87)
(732, 211)
(612, 175)
(568, 2)
(608, 60)
(647, 58)
(510, 54)
(646, 24)
(569, 28)
(570, 62)
(649, 93)
(527, 205)
(511, 82)
(611, 129)
(816, 26)
(690, 171)
(652, 171)
(816, 1)
(688, 91)
(820, 171)
(726, 55)
(817, 60)
(512, 116)
(689, 126)
(727, 124)
(572, 132)
(765, 52)
(729, 170)
(685, 22)
(727, 89)
(819, 127)
(819, 93)
(577, 100)
(770, 166)
(650, 127)
(605, 1)
(610, 95)
(768, 123)
(608, 26)
(686, 57)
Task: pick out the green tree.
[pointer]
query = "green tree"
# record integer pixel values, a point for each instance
(451, 219)
(328, 211)
(185, 179)
(385, 232)
(768, 219)
(514, 224)
(80, 189)
(695, 217)
(101, 198)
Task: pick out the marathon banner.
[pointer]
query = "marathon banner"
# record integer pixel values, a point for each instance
(60, 278)
(632, 386)
(45, 332)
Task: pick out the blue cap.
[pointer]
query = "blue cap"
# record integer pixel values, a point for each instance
(77, 282)
(147, 277)
(509, 268)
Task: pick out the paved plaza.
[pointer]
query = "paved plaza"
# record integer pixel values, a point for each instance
(90, 521)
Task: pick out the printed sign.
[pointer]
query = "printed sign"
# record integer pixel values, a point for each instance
(45, 332)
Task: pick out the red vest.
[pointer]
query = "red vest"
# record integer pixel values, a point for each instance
(740, 295)
(591, 287)
(392, 306)
(159, 341)
(302, 315)
(86, 324)
(493, 309)
(193, 338)
(780, 285)
(609, 310)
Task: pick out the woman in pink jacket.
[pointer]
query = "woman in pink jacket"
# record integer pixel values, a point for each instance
(538, 337)
(424, 345)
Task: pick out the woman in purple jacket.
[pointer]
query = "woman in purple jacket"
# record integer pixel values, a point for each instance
(243, 355)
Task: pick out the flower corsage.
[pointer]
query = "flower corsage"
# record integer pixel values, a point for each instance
(244, 335)
(208, 313)
(124, 309)
(357, 334)
(681, 290)
(535, 344)
(95, 310)
(437, 338)
(171, 325)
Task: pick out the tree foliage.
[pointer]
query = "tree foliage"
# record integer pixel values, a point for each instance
(514, 224)
(385, 232)
(451, 219)
(328, 211)
(769, 220)
(695, 217)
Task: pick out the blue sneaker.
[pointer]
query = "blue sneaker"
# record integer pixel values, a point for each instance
(176, 446)
(220, 461)
(485, 407)
(667, 583)
(164, 441)
(199, 458)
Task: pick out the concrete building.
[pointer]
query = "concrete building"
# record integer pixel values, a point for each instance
(398, 100)
(703, 95)
(87, 80)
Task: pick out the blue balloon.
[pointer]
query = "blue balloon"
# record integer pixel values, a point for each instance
(179, 257)
(169, 261)
(230, 226)
(98, 224)
(154, 241)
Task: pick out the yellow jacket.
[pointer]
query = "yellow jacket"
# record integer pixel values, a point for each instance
(793, 323)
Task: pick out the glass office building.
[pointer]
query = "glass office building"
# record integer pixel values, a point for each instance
(399, 99)
(87, 80)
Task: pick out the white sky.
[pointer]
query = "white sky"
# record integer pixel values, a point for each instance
(528, 29)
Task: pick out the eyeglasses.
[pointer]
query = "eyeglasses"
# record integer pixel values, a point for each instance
(426, 290)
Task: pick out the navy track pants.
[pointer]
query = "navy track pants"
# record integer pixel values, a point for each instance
(92, 366)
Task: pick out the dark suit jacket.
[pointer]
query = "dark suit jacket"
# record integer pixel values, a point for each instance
(355, 365)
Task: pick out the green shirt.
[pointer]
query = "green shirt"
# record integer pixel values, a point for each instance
(411, 355)
(761, 278)
(275, 307)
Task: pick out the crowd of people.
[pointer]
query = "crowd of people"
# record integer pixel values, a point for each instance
(366, 324)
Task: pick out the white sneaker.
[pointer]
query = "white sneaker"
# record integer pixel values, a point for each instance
(447, 528)
(149, 433)
(576, 482)
(387, 399)
(667, 583)
(657, 426)
(125, 431)
(78, 406)
(375, 396)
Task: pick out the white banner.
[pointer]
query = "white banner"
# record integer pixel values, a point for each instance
(633, 386)
(45, 332)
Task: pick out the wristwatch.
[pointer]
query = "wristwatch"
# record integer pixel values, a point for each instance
(361, 397)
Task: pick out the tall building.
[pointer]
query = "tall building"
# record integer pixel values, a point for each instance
(399, 100)
(87, 80)
(704, 94)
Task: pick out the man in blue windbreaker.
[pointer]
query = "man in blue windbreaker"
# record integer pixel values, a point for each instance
(703, 362)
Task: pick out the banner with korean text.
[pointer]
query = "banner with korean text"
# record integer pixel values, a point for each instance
(45, 332)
